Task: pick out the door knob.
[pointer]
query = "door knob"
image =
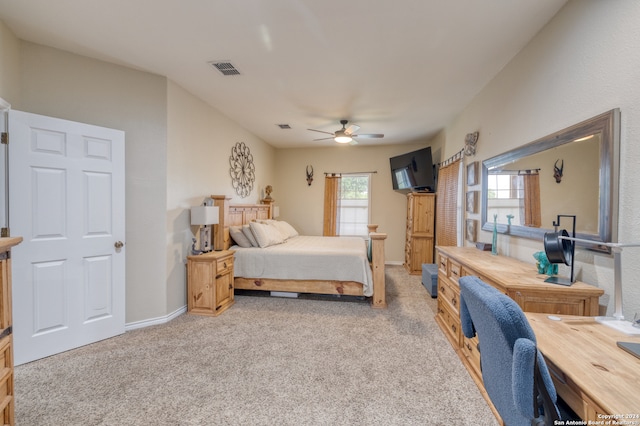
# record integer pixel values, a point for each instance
(118, 244)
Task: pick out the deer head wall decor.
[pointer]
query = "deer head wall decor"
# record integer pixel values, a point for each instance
(557, 171)
(309, 175)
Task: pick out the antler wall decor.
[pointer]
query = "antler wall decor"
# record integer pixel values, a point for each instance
(309, 175)
(557, 171)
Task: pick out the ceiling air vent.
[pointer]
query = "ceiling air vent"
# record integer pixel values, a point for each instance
(283, 126)
(225, 67)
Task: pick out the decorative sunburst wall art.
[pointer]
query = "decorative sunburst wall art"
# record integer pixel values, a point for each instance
(242, 170)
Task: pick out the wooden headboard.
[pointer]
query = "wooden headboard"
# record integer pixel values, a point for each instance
(236, 215)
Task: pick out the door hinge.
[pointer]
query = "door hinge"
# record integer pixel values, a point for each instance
(5, 138)
(5, 233)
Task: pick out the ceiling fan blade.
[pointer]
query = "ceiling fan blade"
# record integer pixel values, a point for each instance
(321, 131)
(352, 129)
(353, 142)
(370, 135)
(322, 139)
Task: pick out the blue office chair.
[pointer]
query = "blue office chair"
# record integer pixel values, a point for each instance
(514, 372)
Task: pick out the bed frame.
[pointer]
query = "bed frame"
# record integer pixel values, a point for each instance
(242, 214)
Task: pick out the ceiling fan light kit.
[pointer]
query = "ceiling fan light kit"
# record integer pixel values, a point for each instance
(342, 137)
(346, 135)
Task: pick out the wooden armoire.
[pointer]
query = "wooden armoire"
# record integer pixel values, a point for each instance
(420, 237)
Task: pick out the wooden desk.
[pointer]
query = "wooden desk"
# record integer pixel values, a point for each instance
(590, 372)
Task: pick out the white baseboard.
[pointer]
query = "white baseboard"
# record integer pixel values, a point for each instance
(394, 262)
(155, 321)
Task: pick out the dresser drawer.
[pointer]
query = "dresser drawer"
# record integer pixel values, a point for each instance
(455, 270)
(451, 321)
(6, 378)
(472, 353)
(442, 264)
(450, 295)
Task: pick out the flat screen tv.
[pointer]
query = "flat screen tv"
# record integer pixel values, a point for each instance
(413, 171)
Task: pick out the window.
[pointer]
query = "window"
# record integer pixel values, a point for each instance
(353, 205)
(505, 186)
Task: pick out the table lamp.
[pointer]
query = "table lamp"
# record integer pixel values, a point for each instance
(204, 216)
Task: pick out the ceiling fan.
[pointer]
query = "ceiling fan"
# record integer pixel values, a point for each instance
(347, 135)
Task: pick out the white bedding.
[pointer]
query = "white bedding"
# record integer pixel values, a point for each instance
(308, 258)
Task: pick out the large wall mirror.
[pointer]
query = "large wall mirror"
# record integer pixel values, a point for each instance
(570, 172)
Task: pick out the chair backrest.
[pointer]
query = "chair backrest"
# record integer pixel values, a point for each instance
(508, 354)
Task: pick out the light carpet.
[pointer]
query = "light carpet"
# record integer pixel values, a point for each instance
(265, 361)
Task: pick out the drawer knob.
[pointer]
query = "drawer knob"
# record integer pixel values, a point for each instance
(224, 264)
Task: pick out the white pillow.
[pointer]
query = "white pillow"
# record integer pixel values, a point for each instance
(239, 237)
(285, 229)
(246, 230)
(266, 235)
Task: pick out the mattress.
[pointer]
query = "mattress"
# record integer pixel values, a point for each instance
(308, 258)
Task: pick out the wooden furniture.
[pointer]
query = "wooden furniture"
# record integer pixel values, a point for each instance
(518, 280)
(210, 282)
(420, 237)
(242, 214)
(7, 402)
(233, 215)
(591, 374)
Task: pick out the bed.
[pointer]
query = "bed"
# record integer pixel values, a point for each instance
(317, 268)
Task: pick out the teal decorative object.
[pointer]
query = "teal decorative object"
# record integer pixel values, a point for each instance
(494, 243)
(543, 264)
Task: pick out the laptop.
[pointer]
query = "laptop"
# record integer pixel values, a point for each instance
(631, 347)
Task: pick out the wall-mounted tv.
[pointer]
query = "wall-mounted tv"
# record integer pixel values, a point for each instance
(413, 171)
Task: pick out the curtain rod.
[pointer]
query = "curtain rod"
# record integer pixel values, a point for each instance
(454, 157)
(515, 172)
(347, 173)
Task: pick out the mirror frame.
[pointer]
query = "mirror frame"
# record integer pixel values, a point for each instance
(608, 125)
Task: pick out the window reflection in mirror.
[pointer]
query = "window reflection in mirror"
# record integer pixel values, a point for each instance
(513, 190)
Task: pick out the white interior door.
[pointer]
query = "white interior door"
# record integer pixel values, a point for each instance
(66, 200)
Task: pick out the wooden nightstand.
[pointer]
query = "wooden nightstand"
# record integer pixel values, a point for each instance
(210, 282)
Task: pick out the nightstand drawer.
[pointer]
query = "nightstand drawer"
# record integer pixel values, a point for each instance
(224, 265)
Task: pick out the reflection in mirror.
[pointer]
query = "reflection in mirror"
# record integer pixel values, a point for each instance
(514, 189)
(574, 171)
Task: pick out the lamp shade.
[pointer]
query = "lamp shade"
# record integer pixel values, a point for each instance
(205, 215)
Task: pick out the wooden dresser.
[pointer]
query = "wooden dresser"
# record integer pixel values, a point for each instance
(518, 280)
(7, 403)
(420, 237)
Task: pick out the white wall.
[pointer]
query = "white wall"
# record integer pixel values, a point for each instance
(584, 62)
(199, 145)
(176, 149)
(73, 87)
(302, 205)
(9, 65)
